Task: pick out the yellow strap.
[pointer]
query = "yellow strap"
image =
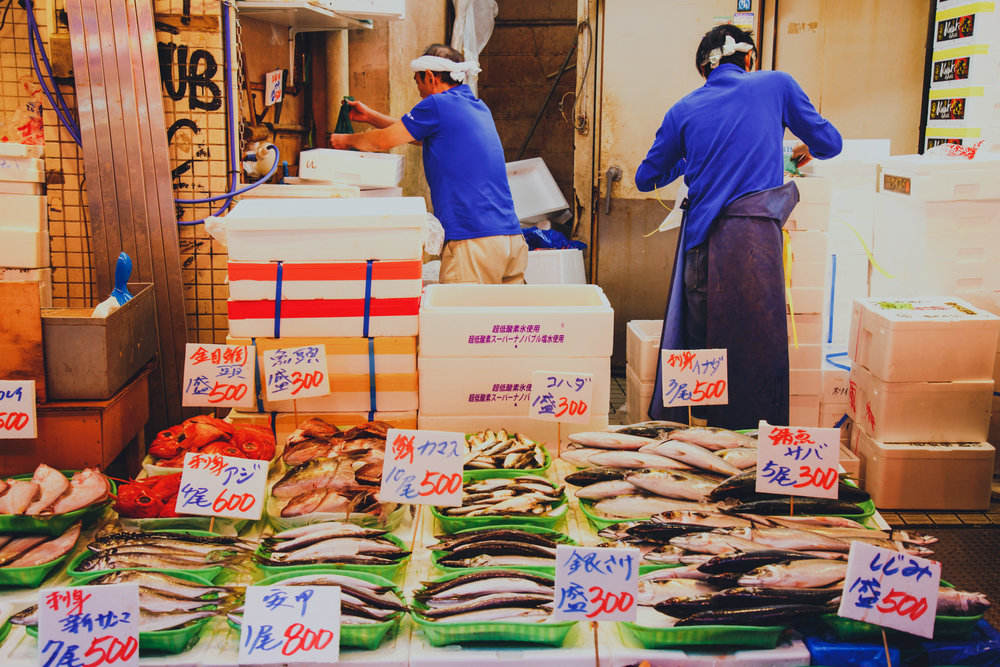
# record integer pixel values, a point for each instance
(786, 256)
(871, 258)
(961, 52)
(969, 132)
(965, 10)
(951, 93)
(660, 227)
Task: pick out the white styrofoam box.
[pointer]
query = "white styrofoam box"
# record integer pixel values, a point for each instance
(352, 393)
(812, 189)
(965, 24)
(925, 476)
(22, 164)
(383, 192)
(346, 356)
(850, 462)
(326, 230)
(17, 188)
(41, 276)
(855, 169)
(12, 151)
(953, 108)
(808, 246)
(805, 357)
(24, 213)
(809, 216)
(901, 215)
(366, 170)
(323, 318)
(802, 382)
(836, 380)
(302, 190)
(808, 300)
(642, 348)
(369, 10)
(515, 320)
(912, 279)
(920, 411)
(975, 64)
(831, 414)
(930, 339)
(846, 294)
(803, 411)
(958, 246)
(941, 179)
(24, 250)
(492, 385)
(811, 328)
(536, 195)
(536, 429)
(808, 274)
(257, 281)
(638, 396)
(851, 269)
(555, 267)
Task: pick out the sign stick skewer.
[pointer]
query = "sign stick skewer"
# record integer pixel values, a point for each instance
(558, 439)
(295, 409)
(211, 525)
(416, 527)
(885, 643)
(597, 648)
(689, 416)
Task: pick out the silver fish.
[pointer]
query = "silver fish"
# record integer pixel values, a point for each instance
(610, 440)
(672, 484)
(797, 574)
(506, 614)
(714, 543)
(579, 456)
(708, 519)
(806, 522)
(953, 602)
(161, 582)
(740, 457)
(640, 506)
(609, 489)
(713, 438)
(652, 592)
(685, 572)
(635, 460)
(693, 455)
(788, 538)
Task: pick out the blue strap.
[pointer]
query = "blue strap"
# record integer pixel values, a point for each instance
(368, 303)
(996, 393)
(373, 407)
(256, 376)
(842, 420)
(833, 290)
(830, 357)
(277, 303)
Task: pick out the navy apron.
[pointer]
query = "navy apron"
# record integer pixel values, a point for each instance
(746, 310)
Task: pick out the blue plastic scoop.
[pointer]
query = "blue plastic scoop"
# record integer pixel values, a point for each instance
(123, 271)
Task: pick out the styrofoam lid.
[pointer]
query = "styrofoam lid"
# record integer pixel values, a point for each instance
(955, 386)
(551, 298)
(21, 150)
(925, 310)
(929, 450)
(336, 213)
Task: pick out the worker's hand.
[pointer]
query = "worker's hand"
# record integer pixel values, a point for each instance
(360, 113)
(341, 141)
(801, 151)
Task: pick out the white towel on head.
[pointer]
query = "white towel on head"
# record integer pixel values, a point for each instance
(439, 64)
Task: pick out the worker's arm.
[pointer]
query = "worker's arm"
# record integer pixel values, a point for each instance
(373, 140)
(362, 113)
(821, 138)
(665, 160)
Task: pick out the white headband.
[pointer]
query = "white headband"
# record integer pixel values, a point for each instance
(439, 64)
(727, 49)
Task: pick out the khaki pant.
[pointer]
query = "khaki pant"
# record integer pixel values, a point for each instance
(490, 260)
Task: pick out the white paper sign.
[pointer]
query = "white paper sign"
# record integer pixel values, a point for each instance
(296, 372)
(794, 461)
(17, 409)
(596, 584)
(215, 485)
(423, 468)
(272, 88)
(218, 376)
(891, 589)
(90, 625)
(561, 397)
(290, 624)
(694, 377)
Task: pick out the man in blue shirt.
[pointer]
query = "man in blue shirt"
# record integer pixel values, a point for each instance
(728, 284)
(465, 169)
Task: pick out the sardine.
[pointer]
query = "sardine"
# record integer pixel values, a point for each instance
(335, 531)
(126, 538)
(313, 528)
(483, 603)
(797, 574)
(153, 600)
(764, 615)
(505, 614)
(693, 455)
(112, 561)
(498, 548)
(50, 550)
(450, 542)
(610, 440)
(494, 581)
(161, 582)
(672, 484)
(150, 621)
(712, 438)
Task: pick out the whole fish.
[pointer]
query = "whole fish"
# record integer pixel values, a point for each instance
(326, 527)
(19, 546)
(741, 457)
(659, 532)
(694, 455)
(691, 571)
(672, 484)
(609, 489)
(784, 505)
(808, 522)
(671, 554)
(330, 474)
(494, 581)
(651, 429)
(704, 519)
(151, 599)
(788, 538)
(755, 597)
(314, 427)
(18, 496)
(111, 561)
(797, 574)
(341, 546)
(52, 485)
(483, 603)
(618, 531)
(85, 488)
(682, 607)
(635, 460)
(334, 579)
(487, 560)
(578, 456)
(765, 615)
(452, 603)
(656, 591)
(609, 440)
(162, 582)
(953, 602)
(335, 531)
(492, 534)
(50, 550)
(123, 538)
(594, 475)
(714, 543)
(495, 549)
(505, 614)
(712, 438)
(739, 486)
(894, 545)
(745, 561)
(639, 506)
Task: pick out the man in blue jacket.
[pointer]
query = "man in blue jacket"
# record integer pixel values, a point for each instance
(727, 290)
(465, 169)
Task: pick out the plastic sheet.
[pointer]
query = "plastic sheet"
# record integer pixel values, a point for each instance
(550, 239)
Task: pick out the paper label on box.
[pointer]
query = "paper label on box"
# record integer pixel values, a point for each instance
(215, 485)
(89, 625)
(743, 20)
(290, 625)
(423, 468)
(891, 589)
(17, 409)
(694, 377)
(596, 584)
(798, 461)
(217, 376)
(959, 27)
(561, 397)
(272, 88)
(955, 69)
(296, 372)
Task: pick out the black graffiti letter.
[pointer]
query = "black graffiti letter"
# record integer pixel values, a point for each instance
(166, 53)
(203, 80)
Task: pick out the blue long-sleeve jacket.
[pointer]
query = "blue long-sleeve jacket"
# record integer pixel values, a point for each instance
(726, 138)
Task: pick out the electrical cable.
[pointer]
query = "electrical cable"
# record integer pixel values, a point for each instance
(229, 196)
(60, 107)
(3, 21)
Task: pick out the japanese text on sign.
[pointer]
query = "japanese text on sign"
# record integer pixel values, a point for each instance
(273, 91)
(296, 372)
(798, 461)
(596, 584)
(694, 377)
(219, 376)
(561, 397)
(423, 468)
(891, 589)
(215, 485)
(17, 409)
(89, 626)
(290, 624)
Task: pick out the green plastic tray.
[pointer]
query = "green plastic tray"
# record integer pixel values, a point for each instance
(386, 571)
(451, 525)
(708, 635)
(223, 525)
(54, 525)
(600, 523)
(555, 535)
(31, 577)
(438, 634)
(488, 473)
(206, 575)
(4, 631)
(945, 627)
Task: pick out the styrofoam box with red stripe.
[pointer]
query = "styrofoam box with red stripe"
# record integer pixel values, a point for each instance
(323, 317)
(352, 393)
(500, 386)
(285, 424)
(546, 432)
(347, 356)
(257, 281)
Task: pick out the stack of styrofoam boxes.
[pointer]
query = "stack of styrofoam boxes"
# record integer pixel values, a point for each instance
(964, 94)
(990, 302)
(479, 345)
(921, 390)
(24, 226)
(642, 352)
(376, 174)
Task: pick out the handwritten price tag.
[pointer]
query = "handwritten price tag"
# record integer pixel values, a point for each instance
(597, 584)
(17, 409)
(891, 589)
(89, 625)
(296, 372)
(798, 461)
(290, 624)
(694, 377)
(218, 376)
(423, 468)
(561, 397)
(272, 88)
(214, 485)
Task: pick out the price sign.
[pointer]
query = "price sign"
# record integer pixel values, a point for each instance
(561, 397)
(89, 625)
(272, 88)
(596, 584)
(17, 409)
(891, 589)
(290, 624)
(423, 468)
(694, 377)
(215, 485)
(219, 376)
(798, 461)
(296, 372)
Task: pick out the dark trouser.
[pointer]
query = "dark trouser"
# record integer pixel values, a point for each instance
(696, 294)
